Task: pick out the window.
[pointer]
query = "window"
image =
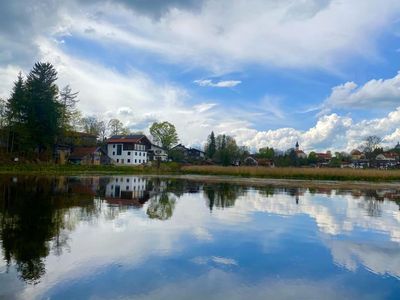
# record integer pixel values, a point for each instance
(144, 154)
(119, 149)
(113, 152)
(129, 160)
(135, 161)
(135, 153)
(127, 187)
(129, 153)
(140, 153)
(127, 180)
(112, 186)
(114, 146)
(117, 160)
(116, 180)
(140, 161)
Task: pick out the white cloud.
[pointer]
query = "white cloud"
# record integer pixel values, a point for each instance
(224, 35)
(221, 84)
(376, 93)
(331, 132)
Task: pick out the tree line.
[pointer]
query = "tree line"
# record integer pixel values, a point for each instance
(39, 114)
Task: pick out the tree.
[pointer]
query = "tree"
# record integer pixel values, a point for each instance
(44, 110)
(371, 144)
(210, 148)
(115, 127)
(312, 158)
(68, 106)
(267, 153)
(17, 116)
(102, 130)
(3, 119)
(164, 133)
(227, 151)
(91, 125)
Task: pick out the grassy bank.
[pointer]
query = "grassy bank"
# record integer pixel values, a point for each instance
(174, 168)
(52, 169)
(297, 173)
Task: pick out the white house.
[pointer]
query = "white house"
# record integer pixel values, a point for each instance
(158, 153)
(128, 149)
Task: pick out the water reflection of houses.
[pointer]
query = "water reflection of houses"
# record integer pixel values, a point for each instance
(127, 190)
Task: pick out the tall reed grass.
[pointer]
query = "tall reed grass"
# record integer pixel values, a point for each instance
(297, 173)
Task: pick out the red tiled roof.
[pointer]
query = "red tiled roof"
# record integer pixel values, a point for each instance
(323, 155)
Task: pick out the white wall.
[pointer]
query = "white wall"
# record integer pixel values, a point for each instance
(136, 185)
(127, 157)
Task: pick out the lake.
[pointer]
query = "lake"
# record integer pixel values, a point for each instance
(133, 237)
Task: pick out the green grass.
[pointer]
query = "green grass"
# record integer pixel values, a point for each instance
(53, 169)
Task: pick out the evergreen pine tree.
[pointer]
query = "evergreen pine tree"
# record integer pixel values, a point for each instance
(211, 147)
(44, 110)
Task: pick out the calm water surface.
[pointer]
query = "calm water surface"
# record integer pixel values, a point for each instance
(130, 237)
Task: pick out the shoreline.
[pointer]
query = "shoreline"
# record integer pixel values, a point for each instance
(247, 181)
(240, 175)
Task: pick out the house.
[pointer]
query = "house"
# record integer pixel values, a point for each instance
(88, 156)
(72, 139)
(157, 153)
(356, 154)
(324, 157)
(128, 149)
(250, 161)
(299, 153)
(189, 153)
(386, 160)
(127, 191)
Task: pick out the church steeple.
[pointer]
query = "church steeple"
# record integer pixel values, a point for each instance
(297, 145)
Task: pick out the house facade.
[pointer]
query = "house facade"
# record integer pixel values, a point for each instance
(190, 153)
(157, 153)
(128, 149)
(88, 156)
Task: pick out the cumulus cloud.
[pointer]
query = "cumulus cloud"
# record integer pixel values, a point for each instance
(377, 93)
(221, 84)
(331, 132)
(224, 34)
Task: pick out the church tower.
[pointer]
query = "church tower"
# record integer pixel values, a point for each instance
(297, 146)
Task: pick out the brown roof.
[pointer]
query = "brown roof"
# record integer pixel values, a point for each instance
(81, 152)
(123, 140)
(323, 155)
(131, 138)
(355, 152)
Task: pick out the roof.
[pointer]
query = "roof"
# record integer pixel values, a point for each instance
(196, 150)
(355, 152)
(156, 146)
(81, 152)
(324, 155)
(130, 138)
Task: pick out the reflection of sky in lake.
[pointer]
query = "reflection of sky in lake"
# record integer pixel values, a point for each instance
(262, 247)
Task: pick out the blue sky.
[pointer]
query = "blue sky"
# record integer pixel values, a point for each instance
(323, 72)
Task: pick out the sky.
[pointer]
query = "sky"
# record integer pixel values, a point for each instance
(268, 72)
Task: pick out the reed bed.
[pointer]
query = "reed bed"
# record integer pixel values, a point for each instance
(297, 173)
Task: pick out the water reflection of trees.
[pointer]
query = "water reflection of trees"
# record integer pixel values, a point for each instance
(161, 206)
(34, 220)
(222, 195)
